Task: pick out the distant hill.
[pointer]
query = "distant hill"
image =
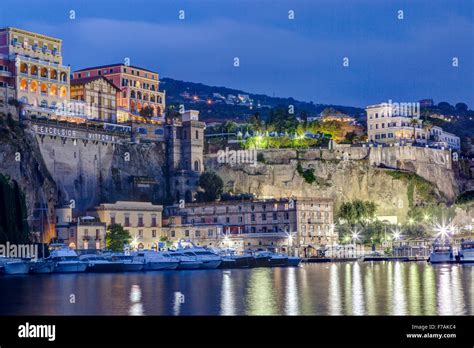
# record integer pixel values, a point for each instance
(232, 104)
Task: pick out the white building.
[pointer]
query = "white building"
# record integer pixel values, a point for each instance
(394, 123)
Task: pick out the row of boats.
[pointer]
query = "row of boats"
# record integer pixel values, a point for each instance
(65, 260)
(443, 252)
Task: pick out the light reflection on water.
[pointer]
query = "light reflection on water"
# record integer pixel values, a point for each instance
(370, 288)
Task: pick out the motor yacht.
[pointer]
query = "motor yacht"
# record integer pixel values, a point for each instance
(99, 264)
(155, 261)
(466, 253)
(127, 262)
(11, 266)
(66, 261)
(42, 266)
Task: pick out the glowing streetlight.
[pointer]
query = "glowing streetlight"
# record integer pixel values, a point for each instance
(444, 230)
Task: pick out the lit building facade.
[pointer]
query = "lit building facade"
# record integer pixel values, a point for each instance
(99, 96)
(82, 233)
(139, 88)
(141, 219)
(32, 64)
(389, 123)
(256, 224)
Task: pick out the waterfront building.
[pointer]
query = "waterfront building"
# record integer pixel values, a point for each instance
(400, 122)
(81, 233)
(99, 96)
(301, 223)
(31, 63)
(139, 89)
(141, 219)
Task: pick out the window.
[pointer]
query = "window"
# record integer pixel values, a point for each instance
(173, 233)
(97, 234)
(186, 233)
(227, 219)
(153, 233)
(127, 221)
(198, 233)
(275, 216)
(252, 217)
(197, 134)
(287, 216)
(140, 233)
(140, 221)
(252, 229)
(264, 217)
(112, 220)
(71, 233)
(86, 232)
(153, 221)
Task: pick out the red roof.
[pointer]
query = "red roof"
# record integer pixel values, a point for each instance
(84, 80)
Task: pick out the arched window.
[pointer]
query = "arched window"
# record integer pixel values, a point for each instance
(196, 166)
(44, 89)
(23, 85)
(53, 74)
(132, 94)
(23, 68)
(63, 92)
(33, 86)
(53, 91)
(44, 72)
(34, 70)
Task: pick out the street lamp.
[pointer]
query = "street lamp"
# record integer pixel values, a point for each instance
(355, 237)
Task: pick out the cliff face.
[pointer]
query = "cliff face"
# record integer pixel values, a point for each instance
(345, 174)
(21, 161)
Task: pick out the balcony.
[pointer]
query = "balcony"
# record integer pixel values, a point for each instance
(86, 238)
(5, 73)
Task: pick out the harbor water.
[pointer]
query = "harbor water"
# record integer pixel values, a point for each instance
(345, 288)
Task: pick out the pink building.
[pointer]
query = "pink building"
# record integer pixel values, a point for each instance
(139, 88)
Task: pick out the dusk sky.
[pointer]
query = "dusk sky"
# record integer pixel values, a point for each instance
(402, 60)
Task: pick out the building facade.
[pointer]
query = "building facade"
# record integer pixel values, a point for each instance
(389, 123)
(273, 224)
(143, 220)
(82, 233)
(32, 64)
(99, 96)
(139, 88)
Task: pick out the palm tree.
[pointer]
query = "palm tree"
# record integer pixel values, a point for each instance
(414, 123)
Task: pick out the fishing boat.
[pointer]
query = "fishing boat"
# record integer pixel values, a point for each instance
(466, 253)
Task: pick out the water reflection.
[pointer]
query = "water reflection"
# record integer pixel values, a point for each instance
(227, 295)
(291, 301)
(352, 288)
(399, 302)
(357, 291)
(136, 307)
(334, 291)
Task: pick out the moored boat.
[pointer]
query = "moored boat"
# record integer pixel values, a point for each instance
(13, 266)
(66, 261)
(156, 261)
(294, 261)
(442, 252)
(99, 264)
(43, 266)
(127, 262)
(466, 253)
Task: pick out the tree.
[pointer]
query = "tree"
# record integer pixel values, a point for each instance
(147, 111)
(116, 237)
(461, 107)
(414, 123)
(212, 186)
(357, 211)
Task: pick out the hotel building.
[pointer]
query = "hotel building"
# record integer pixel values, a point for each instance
(32, 64)
(86, 233)
(99, 96)
(390, 123)
(256, 224)
(141, 219)
(139, 88)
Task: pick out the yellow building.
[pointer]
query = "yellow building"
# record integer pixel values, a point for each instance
(141, 219)
(40, 78)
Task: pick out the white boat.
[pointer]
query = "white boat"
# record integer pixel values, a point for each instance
(155, 261)
(42, 266)
(13, 266)
(442, 252)
(466, 253)
(186, 261)
(66, 261)
(208, 259)
(99, 264)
